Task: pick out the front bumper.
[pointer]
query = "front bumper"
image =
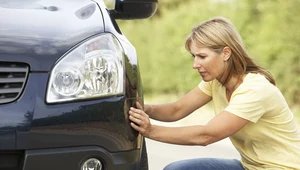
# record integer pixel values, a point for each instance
(30, 123)
(70, 158)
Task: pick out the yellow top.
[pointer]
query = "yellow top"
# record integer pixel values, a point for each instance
(271, 140)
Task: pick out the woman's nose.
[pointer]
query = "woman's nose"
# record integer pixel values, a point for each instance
(196, 63)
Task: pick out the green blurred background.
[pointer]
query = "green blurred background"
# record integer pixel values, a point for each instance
(270, 30)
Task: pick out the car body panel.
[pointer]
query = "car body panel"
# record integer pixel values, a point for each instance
(39, 33)
(54, 28)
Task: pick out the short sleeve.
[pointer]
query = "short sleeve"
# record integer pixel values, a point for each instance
(247, 104)
(206, 87)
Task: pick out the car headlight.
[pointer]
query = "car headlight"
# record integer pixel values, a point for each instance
(93, 69)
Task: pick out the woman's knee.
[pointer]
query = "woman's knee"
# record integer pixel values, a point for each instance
(174, 166)
(189, 164)
(205, 163)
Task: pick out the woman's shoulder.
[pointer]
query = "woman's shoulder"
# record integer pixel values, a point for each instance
(256, 80)
(257, 84)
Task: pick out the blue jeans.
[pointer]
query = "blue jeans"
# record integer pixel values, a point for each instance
(206, 164)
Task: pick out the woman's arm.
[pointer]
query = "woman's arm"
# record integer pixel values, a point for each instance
(223, 125)
(177, 110)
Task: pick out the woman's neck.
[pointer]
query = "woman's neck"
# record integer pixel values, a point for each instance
(233, 83)
(231, 86)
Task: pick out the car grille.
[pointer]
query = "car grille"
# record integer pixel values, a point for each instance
(13, 77)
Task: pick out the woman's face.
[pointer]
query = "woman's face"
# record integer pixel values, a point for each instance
(210, 64)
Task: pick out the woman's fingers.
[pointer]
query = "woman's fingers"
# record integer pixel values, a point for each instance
(139, 106)
(136, 114)
(134, 110)
(139, 111)
(136, 120)
(136, 127)
(135, 117)
(140, 120)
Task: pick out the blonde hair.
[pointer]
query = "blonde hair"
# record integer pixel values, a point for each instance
(218, 33)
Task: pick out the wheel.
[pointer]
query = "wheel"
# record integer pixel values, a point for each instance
(144, 157)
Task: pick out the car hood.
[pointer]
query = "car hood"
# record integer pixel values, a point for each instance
(39, 32)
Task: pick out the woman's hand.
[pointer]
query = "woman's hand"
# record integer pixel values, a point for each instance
(140, 120)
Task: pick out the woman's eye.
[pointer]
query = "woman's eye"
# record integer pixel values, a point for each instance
(198, 56)
(201, 56)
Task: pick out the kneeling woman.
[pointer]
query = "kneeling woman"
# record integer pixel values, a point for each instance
(250, 109)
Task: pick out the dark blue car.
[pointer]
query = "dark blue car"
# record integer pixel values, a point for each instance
(68, 77)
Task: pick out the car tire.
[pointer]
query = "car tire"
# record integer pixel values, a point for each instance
(144, 157)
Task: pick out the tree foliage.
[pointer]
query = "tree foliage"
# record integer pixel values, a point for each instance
(270, 30)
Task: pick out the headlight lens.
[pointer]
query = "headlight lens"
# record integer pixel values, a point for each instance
(93, 69)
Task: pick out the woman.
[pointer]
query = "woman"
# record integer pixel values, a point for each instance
(250, 109)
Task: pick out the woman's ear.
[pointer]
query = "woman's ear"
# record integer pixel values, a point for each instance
(226, 53)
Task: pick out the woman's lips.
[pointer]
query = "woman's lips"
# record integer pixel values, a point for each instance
(202, 73)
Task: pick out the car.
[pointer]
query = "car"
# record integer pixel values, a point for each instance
(68, 76)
